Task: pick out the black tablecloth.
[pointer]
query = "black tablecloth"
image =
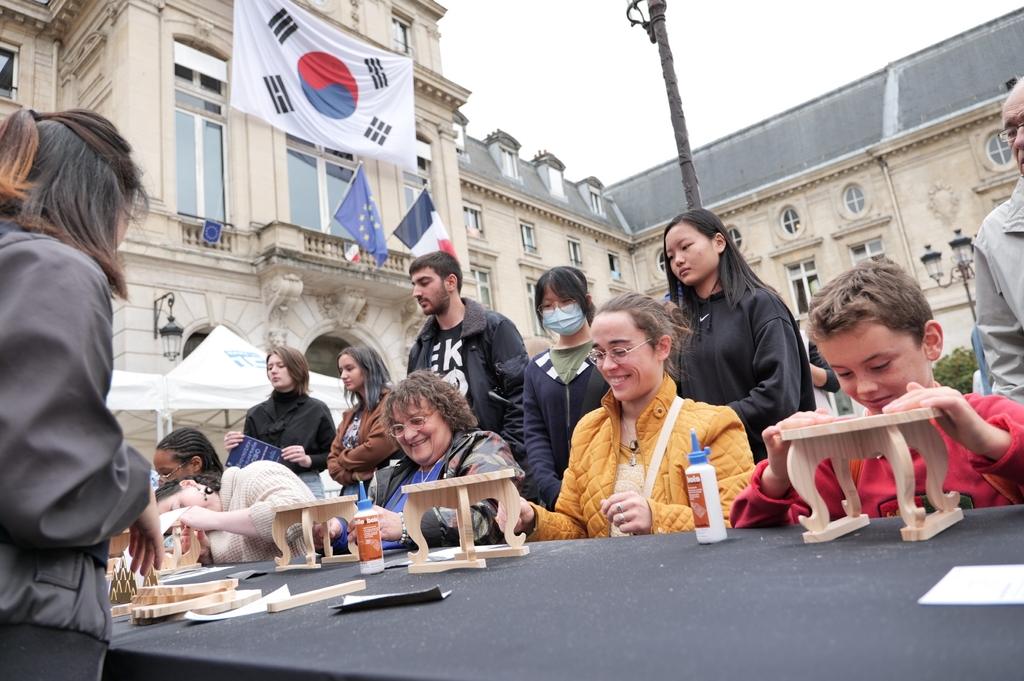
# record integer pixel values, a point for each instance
(762, 604)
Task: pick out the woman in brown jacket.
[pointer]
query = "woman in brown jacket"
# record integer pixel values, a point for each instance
(361, 445)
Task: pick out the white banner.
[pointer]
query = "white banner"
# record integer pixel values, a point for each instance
(304, 77)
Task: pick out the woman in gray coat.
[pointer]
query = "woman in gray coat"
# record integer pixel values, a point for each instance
(68, 189)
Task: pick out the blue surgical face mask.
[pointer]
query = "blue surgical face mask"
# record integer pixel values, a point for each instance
(564, 322)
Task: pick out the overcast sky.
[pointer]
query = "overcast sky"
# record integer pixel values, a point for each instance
(572, 77)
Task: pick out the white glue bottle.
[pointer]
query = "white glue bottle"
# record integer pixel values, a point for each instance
(367, 528)
(702, 487)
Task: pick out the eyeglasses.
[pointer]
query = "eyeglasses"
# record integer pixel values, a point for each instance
(167, 476)
(618, 355)
(1010, 134)
(548, 308)
(414, 424)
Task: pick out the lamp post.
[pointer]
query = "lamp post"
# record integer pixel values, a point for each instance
(170, 332)
(963, 256)
(655, 27)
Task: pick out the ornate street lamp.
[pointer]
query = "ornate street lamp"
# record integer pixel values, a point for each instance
(655, 27)
(963, 256)
(170, 332)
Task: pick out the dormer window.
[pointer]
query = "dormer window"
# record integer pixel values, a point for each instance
(596, 204)
(509, 165)
(555, 182)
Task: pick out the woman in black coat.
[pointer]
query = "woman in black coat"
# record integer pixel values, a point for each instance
(300, 425)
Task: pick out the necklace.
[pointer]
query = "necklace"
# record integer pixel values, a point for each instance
(632, 442)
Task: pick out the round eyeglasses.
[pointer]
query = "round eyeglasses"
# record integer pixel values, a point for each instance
(414, 424)
(618, 355)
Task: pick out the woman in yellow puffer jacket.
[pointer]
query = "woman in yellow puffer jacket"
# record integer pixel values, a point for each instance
(635, 341)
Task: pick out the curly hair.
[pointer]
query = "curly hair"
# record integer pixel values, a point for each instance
(209, 484)
(425, 389)
(185, 443)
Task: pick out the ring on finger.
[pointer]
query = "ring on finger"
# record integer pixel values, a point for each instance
(622, 518)
(618, 507)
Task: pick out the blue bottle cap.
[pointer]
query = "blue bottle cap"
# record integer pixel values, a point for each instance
(697, 455)
(363, 504)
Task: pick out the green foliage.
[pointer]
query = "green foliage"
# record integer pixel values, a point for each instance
(957, 369)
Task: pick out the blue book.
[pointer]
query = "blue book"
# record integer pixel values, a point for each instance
(251, 450)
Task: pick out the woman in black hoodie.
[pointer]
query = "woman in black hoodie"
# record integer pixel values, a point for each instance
(746, 351)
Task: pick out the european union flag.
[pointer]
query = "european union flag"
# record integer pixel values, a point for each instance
(211, 232)
(358, 214)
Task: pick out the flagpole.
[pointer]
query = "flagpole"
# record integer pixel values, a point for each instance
(348, 189)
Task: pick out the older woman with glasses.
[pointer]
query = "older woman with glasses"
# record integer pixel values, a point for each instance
(617, 482)
(433, 424)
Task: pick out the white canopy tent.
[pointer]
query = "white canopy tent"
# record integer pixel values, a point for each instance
(211, 390)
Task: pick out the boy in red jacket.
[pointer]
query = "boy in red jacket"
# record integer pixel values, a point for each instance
(875, 328)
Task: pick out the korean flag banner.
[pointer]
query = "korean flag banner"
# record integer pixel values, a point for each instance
(300, 75)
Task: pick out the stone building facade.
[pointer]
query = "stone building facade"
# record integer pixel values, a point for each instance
(889, 163)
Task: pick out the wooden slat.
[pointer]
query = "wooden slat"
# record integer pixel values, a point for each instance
(317, 595)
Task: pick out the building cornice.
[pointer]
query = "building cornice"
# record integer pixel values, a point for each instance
(437, 88)
(502, 193)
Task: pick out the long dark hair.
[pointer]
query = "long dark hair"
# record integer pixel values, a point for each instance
(185, 443)
(734, 273)
(567, 282)
(70, 175)
(376, 376)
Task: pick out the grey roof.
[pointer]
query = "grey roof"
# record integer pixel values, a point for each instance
(480, 163)
(948, 77)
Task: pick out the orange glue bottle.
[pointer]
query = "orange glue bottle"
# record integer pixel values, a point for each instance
(366, 525)
(702, 488)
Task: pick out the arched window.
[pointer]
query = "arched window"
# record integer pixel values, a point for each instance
(737, 238)
(322, 354)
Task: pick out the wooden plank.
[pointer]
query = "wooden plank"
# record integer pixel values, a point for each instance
(933, 524)
(462, 481)
(836, 528)
(317, 595)
(299, 505)
(188, 590)
(863, 423)
(445, 565)
(242, 597)
(155, 611)
(121, 610)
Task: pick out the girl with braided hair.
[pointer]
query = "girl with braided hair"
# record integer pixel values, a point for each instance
(186, 451)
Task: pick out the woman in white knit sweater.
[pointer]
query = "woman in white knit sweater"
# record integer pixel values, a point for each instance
(233, 514)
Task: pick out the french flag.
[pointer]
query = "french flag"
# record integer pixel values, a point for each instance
(421, 229)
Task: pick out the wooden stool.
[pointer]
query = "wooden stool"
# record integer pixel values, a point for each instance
(176, 561)
(460, 493)
(888, 435)
(308, 512)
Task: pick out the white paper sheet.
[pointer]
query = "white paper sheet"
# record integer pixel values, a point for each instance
(978, 585)
(167, 519)
(253, 608)
(194, 573)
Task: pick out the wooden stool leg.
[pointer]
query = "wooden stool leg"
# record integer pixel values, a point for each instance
(414, 510)
(930, 445)
(279, 532)
(802, 462)
(851, 503)
(511, 501)
(467, 541)
(898, 455)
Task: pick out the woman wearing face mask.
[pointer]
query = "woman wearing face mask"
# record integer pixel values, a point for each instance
(559, 386)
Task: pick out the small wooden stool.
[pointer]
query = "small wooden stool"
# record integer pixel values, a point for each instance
(308, 512)
(460, 493)
(177, 561)
(888, 435)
